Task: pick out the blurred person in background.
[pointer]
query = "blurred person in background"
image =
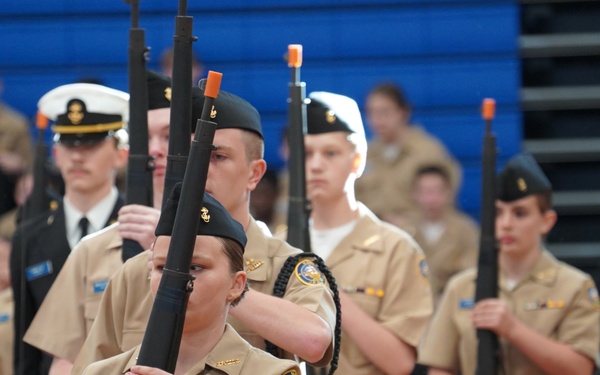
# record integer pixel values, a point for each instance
(398, 149)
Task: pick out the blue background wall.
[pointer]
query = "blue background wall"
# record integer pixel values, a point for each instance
(447, 54)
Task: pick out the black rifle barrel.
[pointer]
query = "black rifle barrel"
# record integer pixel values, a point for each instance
(487, 272)
(181, 101)
(299, 208)
(160, 346)
(37, 201)
(139, 189)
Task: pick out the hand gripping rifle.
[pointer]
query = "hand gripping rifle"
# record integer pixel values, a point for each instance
(140, 164)
(299, 207)
(160, 346)
(487, 271)
(181, 102)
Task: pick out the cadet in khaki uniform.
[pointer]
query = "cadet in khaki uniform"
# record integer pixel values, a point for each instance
(396, 152)
(302, 322)
(76, 293)
(547, 314)
(380, 270)
(208, 344)
(449, 238)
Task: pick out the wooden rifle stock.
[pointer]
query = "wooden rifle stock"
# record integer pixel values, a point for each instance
(160, 346)
(181, 100)
(139, 189)
(487, 271)
(299, 207)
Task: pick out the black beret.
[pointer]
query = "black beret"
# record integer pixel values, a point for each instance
(229, 112)
(159, 95)
(214, 219)
(327, 112)
(159, 90)
(85, 112)
(521, 177)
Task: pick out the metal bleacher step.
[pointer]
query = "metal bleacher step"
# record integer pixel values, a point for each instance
(582, 251)
(564, 150)
(556, 45)
(560, 98)
(576, 202)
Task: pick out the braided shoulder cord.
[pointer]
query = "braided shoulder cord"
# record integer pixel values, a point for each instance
(279, 291)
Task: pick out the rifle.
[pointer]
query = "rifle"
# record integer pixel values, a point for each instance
(299, 206)
(160, 346)
(181, 103)
(38, 200)
(487, 271)
(139, 165)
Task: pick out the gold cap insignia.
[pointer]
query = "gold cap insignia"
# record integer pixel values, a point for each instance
(213, 112)
(205, 216)
(168, 93)
(521, 184)
(75, 113)
(330, 116)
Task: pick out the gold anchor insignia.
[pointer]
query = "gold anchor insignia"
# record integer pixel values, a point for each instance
(213, 112)
(205, 216)
(522, 184)
(168, 93)
(330, 116)
(75, 113)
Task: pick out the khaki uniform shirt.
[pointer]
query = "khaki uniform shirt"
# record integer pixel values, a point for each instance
(65, 317)
(231, 356)
(6, 332)
(385, 186)
(127, 302)
(384, 271)
(556, 300)
(456, 250)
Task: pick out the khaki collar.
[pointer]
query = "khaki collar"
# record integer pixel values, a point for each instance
(544, 272)
(256, 252)
(365, 237)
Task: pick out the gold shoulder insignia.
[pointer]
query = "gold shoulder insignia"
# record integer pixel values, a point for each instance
(308, 273)
(371, 240)
(546, 274)
(227, 362)
(251, 264)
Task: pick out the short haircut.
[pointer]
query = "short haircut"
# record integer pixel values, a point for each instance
(436, 170)
(255, 145)
(544, 200)
(394, 92)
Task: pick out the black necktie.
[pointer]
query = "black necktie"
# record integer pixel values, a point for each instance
(83, 226)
